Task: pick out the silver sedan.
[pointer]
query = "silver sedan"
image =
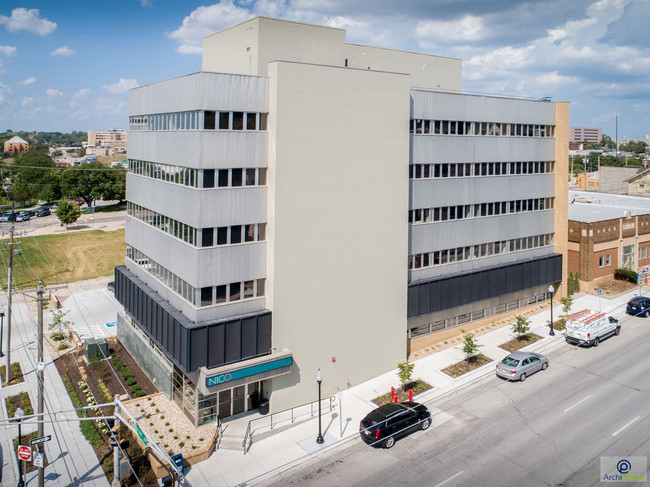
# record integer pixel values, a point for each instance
(519, 365)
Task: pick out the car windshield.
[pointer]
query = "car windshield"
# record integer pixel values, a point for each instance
(637, 302)
(510, 362)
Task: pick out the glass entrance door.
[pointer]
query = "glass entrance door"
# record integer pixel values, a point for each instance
(239, 399)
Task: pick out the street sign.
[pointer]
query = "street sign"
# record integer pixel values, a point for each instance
(599, 292)
(25, 453)
(38, 441)
(39, 459)
(645, 270)
(141, 434)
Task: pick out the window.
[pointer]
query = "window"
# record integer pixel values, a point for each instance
(207, 237)
(224, 120)
(221, 294)
(249, 233)
(261, 231)
(601, 261)
(260, 287)
(251, 121)
(263, 117)
(608, 259)
(262, 176)
(208, 178)
(222, 235)
(223, 178)
(209, 120)
(206, 296)
(235, 234)
(235, 291)
(237, 120)
(248, 289)
(237, 177)
(250, 177)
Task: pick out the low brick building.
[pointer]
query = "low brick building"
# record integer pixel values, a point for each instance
(16, 145)
(607, 232)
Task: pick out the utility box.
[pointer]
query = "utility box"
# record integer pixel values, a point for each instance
(96, 348)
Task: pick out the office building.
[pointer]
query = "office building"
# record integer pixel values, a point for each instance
(585, 134)
(111, 141)
(303, 203)
(16, 145)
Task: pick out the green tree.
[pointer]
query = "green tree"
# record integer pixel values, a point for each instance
(521, 326)
(405, 372)
(67, 213)
(34, 175)
(470, 346)
(59, 323)
(567, 302)
(95, 181)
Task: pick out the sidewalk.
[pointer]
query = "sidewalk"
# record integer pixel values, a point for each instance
(296, 444)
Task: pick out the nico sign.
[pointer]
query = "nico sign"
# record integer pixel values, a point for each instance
(247, 372)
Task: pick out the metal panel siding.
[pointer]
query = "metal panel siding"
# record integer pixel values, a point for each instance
(428, 149)
(185, 344)
(263, 333)
(423, 300)
(216, 346)
(483, 284)
(430, 193)
(432, 105)
(459, 233)
(198, 347)
(200, 149)
(202, 90)
(233, 341)
(249, 337)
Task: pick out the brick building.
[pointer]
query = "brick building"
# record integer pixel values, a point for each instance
(16, 145)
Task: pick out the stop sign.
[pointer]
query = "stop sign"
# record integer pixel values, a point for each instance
(25, 453)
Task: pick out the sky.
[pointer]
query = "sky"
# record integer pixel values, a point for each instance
(68, 65)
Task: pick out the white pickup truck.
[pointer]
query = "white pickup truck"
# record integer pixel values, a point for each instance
(588, 328)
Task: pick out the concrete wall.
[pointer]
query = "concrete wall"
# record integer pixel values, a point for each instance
(612, 179)
(337, 226)
(562, 189)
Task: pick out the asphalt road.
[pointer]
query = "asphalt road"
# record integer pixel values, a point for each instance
(50, 224)
(550, 430)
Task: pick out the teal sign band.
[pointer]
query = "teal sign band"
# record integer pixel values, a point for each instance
(247, 372)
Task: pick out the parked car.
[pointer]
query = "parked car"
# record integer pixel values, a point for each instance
(387, 423)
(43, 211)
(638, 306)
(30, 212)
(587, 328)
(8, 217)
(519, 365)
(23, 217)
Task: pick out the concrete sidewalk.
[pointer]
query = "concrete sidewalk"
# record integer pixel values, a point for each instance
(294, 444)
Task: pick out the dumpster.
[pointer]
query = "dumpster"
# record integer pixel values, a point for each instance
(178, 461)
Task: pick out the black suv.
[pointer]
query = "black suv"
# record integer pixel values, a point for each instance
(389, 422)
(638, 306)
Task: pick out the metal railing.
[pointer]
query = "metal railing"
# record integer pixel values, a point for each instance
(286, 415)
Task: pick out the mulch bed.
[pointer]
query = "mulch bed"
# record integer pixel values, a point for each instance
(15, 374)
(520, 342)
(460, 368)
(105, 382)
(19, 400)
(402, 394)
(558, 325)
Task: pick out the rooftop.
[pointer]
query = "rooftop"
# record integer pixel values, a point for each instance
(591, 207)
(17, 140)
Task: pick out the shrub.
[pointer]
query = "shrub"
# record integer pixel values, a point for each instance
(162, 416)
(57, 337)
(567, 302)
(175, 437)
(62, 346)
(625, 275)
(521, 326)
(167, 423)
(171, 430)
(157, 410)
(405, 372)
(181, 444)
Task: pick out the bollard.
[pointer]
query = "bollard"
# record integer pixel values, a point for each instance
(410, 395)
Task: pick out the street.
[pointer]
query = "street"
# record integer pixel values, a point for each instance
(551, 429)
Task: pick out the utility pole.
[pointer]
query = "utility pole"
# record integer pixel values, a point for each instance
(9, 285)
(40, 375)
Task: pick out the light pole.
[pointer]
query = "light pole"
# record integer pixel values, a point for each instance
(19, 414)
(319, 379)
(551, 290)
(2, 320)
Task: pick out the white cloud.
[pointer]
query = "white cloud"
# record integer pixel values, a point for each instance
(28, 81)
(52, 93)
(122, 86)
(205, 21)
(29, 20)
(466, 29)
(8, 50)
(27, 100)
(146, 3)
(81, 93)
(63, 51)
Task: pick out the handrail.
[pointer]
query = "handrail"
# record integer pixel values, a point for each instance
(248, 436)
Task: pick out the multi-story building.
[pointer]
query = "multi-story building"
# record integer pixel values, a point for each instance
(300, 205)
(16, 145)
(585, 134)
(115, 140)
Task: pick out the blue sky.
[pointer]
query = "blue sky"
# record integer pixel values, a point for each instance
(68, 65)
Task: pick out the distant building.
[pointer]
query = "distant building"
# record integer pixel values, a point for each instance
(588, 181)
(100, 150)
(639, 184)
(607, 232)
(16, 145)
(614, 180)
(585, 134)
(114, 139)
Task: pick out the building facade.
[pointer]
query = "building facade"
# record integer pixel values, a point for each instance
(585, 134)
(16, 145)
(109, 141)
(299, 205)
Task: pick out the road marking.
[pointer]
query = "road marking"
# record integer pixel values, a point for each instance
(581, 400)
(450, 478)
(628, 424)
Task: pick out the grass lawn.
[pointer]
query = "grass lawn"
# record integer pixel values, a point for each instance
(73, 256)
(520, 342)
(110, 208)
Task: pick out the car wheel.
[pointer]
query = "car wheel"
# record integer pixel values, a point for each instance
(544, 365)
(425, 424)
(390, 441)
(522, 377)
(596, 341)
(617, 331)
(646, 314)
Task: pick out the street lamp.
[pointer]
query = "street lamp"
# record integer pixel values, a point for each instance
(19, 415)
(319, 379)
(551, 290)
(2, 320)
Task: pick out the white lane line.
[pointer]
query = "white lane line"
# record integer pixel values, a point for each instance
(581, 400)
(628, 424)
(450, 478)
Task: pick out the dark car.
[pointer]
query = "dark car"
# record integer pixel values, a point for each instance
(8, 217)
(30, 212)
(389, 422)
(43, 211)
(638, 306)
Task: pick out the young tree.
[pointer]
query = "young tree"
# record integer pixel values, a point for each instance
(470, 347)
(566, 304)
(521, 326)
(59, 323)
(405, 372)
(67, 213)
